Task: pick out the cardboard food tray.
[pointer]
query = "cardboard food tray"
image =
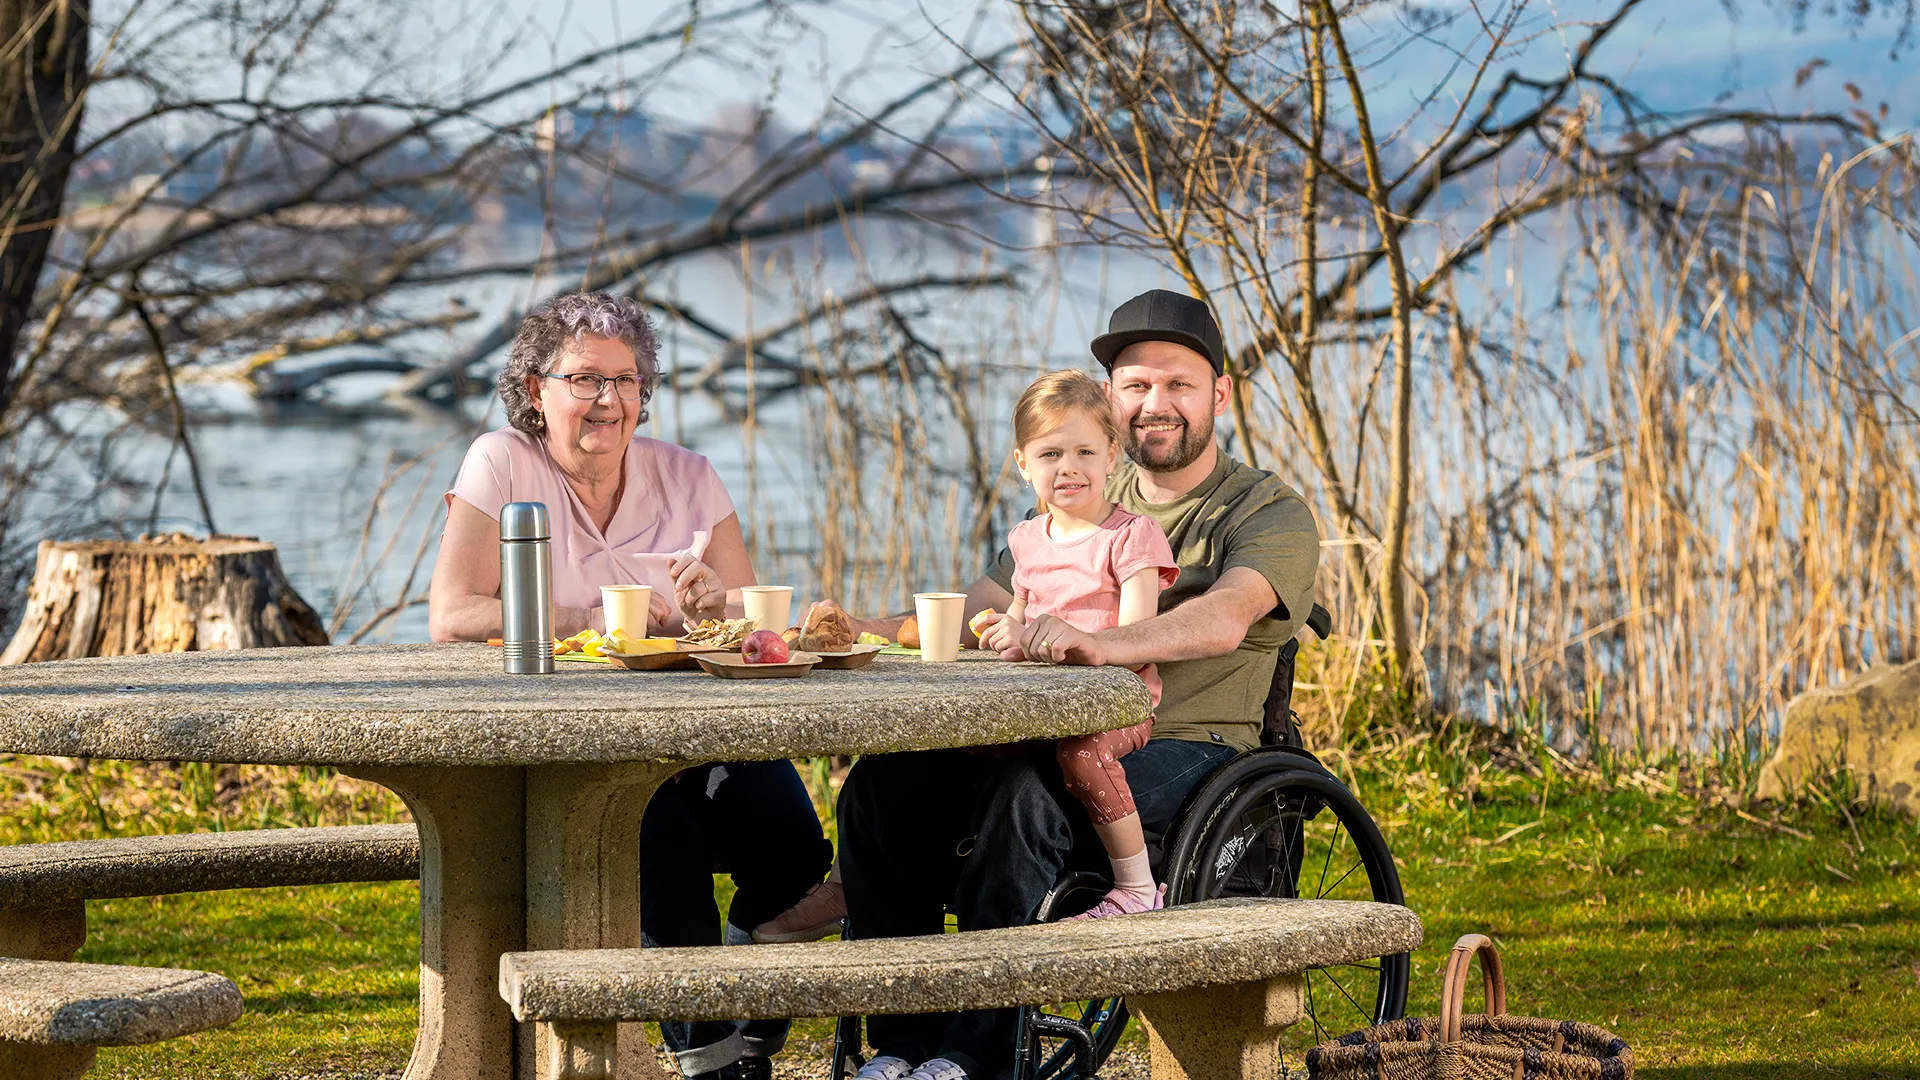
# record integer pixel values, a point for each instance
(857, 657)
(681, 658)
(731, 665)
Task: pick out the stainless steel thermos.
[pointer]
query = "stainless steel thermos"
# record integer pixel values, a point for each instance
(526, 588)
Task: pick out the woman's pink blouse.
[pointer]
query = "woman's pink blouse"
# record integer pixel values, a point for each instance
(671, 493)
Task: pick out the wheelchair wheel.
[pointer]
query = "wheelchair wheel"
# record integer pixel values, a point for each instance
(1103, 1019)
(1276, 823)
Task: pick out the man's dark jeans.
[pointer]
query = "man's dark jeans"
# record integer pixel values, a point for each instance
(988, 836)
(750, 819)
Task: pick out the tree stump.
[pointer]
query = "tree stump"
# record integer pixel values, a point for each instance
(174, 593)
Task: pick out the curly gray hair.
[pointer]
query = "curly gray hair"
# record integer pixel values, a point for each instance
(553, 325)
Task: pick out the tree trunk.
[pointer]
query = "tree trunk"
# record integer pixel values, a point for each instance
(1394, 612)
(161, 594)
(43, 74)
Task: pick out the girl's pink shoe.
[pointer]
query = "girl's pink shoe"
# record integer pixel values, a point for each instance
(1122, 902)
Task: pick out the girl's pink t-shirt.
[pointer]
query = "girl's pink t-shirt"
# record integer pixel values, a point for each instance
(671, 494)
(1078, 579)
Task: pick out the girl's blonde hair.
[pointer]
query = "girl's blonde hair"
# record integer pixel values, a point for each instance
(1056, 395)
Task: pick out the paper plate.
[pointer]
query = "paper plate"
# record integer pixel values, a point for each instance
(731, 665)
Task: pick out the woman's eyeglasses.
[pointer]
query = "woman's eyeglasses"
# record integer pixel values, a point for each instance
(588, 387)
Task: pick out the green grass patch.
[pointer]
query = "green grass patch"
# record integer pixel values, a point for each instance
(1720, 940)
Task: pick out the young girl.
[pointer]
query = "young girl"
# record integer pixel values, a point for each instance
(1095, 566)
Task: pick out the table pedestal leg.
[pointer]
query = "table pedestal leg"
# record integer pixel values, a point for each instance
(473, 882)
(53, 932)
(583, 880)
(1219, 1032)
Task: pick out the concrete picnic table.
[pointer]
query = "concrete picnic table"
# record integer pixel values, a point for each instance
(527, 789)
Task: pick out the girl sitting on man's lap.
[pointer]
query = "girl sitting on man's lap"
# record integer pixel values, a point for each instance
(1094, 566)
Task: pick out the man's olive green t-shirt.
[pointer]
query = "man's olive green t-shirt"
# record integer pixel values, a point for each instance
(1237, 516)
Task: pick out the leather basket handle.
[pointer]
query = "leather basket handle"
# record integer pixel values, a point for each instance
(1453, 992)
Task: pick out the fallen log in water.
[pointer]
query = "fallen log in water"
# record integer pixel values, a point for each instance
(172, 593)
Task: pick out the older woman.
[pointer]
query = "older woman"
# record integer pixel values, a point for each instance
(576, 385)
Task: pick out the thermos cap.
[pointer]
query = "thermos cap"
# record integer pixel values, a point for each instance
(524, 521)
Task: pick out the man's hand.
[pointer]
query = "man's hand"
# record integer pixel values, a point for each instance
(982, 594)
(1050, 640)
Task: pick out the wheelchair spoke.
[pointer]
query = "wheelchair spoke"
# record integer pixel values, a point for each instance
(1328, 861)
(1342, 878)
(1361, 1009)
(1313, 1014)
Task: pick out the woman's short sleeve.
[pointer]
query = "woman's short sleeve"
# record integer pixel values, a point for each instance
(486, 474)
(1142, 544)
(710, 496)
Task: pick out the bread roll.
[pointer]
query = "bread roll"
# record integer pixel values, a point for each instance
(827, 629)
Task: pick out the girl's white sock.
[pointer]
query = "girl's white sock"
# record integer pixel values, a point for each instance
(1134, 876)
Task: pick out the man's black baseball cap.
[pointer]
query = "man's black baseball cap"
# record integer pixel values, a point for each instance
(1159, 315)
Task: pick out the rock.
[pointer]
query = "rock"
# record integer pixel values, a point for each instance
(1871, 723)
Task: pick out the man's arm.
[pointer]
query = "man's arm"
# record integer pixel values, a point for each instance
(981, 595)
(1211, 624)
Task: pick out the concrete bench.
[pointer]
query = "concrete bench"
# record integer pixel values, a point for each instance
(44, 887)
(1215, 982)
(54, 1015)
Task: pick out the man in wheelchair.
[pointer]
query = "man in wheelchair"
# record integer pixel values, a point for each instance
(987, 834)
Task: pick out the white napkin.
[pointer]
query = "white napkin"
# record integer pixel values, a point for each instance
(694, 550)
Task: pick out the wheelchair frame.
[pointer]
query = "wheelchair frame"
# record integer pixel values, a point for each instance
(1086, 1043)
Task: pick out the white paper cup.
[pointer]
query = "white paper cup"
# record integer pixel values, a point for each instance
(941, 615)
(771, 604)
(626, 608)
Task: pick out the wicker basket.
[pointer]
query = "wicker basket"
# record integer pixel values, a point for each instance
(1490, 1047)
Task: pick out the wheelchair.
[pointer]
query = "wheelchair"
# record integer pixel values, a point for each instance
(1272, 821)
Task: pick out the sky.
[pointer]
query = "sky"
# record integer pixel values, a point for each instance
(1677, 53)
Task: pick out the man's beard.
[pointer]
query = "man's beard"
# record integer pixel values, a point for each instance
(1186, 449)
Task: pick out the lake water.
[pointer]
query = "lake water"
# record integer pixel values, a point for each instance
(350, 490)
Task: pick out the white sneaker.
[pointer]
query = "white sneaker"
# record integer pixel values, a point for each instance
(938, 1069)
(883, 1068)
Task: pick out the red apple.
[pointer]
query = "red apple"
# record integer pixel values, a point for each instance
(764, 647)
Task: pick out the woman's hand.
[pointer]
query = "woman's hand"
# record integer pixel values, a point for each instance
(697, 589)
(660, 614)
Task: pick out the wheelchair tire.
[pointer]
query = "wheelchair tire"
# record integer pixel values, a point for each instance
(1276, 823)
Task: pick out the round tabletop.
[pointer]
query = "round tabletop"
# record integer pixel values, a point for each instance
(452, 705)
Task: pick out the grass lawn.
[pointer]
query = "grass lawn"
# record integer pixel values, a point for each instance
(1718, 945)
